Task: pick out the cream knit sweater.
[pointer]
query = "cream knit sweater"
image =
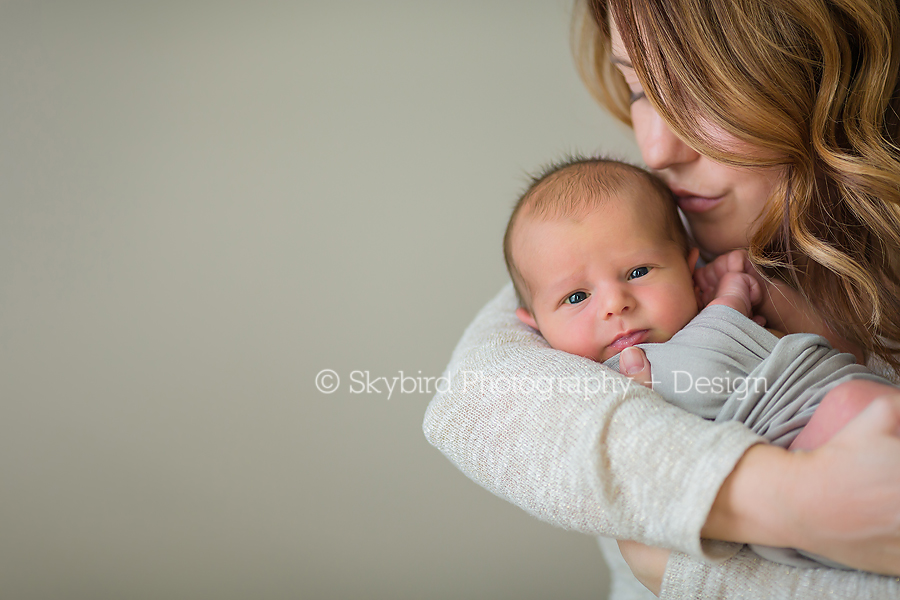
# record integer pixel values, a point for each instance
(581, 447)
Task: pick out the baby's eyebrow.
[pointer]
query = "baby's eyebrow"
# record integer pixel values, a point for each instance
(561, 286)
(566, 281)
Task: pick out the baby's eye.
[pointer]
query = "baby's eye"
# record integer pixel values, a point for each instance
(639, 272)
(576, 298)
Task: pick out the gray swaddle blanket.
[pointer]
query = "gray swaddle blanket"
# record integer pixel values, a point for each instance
(724, 367)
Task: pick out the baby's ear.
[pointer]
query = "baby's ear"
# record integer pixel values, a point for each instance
(527, 318)
(692, 258)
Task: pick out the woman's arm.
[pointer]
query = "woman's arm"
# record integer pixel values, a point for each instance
(574, 444)
(748, 576)
(841, 500)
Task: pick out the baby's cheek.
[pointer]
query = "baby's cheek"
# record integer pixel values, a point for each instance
(588, 347)
(571, 341)
(684, 308)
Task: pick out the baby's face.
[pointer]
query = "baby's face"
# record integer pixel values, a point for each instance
(604, 282)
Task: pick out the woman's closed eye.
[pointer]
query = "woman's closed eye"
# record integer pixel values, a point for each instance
(635, 96)
(638, 272)
(576, 298)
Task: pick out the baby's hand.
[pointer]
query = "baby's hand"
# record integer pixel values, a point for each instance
(730, 280)
(739, 291)
(708, 277)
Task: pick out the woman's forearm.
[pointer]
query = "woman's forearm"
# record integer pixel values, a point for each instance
(841, 501)
(750, 505)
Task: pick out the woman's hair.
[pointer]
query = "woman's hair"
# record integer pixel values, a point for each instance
(813, 83)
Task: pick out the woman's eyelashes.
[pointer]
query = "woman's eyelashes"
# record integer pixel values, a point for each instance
(635, 96)
(576, 298)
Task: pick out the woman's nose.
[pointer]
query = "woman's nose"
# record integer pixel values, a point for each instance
(660, 148)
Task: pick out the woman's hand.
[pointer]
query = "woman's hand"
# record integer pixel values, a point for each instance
(847, 492)
(646, 562)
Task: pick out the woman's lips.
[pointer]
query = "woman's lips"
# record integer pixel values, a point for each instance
(629, 339)
(696, 204)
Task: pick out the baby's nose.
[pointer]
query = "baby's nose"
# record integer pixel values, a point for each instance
(616, 301)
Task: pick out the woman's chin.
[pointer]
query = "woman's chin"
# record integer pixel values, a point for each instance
(712, 244)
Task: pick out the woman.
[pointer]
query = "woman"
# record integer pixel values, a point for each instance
(773, 124)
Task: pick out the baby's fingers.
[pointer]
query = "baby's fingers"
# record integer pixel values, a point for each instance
(633, 364)
(734, 261)
(755, 290)
(705, 278)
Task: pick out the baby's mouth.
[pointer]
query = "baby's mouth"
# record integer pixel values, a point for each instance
(630, 338)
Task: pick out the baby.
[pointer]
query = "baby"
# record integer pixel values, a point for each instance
(600, 262)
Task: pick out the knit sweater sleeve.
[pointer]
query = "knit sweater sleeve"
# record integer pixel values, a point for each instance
(748, 576)
(576, 444)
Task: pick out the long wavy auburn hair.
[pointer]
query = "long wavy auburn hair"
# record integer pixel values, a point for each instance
(813, 83)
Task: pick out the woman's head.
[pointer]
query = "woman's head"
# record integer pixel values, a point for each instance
(722, 202)
(786, 109)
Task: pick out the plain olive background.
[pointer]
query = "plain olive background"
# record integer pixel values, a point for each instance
(202, 206)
